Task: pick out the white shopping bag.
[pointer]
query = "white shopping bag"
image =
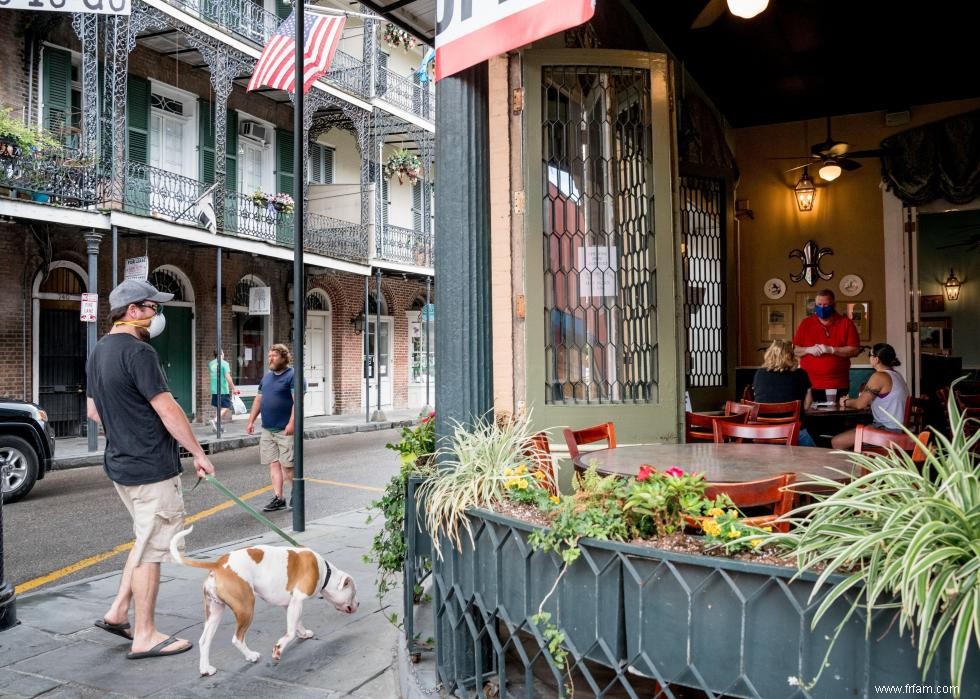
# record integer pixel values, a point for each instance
(238, 405)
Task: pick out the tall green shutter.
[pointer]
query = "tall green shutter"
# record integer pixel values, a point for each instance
(417, 205)
(57, 90)
(138, 120)
(282, 9)
(231, 172)
(285, 177)
(205, 140)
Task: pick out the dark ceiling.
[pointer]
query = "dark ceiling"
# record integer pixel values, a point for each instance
(804, 59)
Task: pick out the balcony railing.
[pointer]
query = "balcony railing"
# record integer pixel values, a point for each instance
(158, 193)
(414, 97)
(398, 244)
(335, 238)
(60, 177)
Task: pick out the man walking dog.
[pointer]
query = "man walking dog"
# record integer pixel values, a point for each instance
(275, 403)
(128, 395)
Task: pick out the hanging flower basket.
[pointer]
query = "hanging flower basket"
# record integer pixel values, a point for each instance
(402, 164)
(395, 37)
(260, 198)
(282, 202)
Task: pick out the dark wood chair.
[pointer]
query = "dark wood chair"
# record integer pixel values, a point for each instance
(748, 393)
(916, 408)
(700, 428)
(733, 408)
(769, 491)
(786, 433)
(776, 413)
(870, 440)
(539, 450)
(589, 435)
(967, 400)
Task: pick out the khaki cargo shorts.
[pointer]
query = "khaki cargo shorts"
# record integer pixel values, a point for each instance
(158, 513)
(276, 446)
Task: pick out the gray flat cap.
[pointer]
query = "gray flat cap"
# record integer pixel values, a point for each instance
(134, 291)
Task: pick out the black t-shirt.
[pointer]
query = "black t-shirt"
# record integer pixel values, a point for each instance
(780, 386)
(124, 374)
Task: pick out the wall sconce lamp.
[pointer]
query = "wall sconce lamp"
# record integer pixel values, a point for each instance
(805, 191)
(358, 323)
(952, 286)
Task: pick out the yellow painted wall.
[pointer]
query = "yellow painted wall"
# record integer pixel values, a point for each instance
(846, 216)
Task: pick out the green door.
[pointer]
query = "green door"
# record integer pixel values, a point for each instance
(175, 349)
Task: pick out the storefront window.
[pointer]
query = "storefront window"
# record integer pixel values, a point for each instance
(421, 343)
(251, 338)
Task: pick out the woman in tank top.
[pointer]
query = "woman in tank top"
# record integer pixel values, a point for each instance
(885, 392)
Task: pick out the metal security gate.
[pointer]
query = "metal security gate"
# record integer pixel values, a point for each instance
(61, 368)
(702, 217)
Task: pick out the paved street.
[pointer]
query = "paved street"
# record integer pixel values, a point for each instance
(74, 518)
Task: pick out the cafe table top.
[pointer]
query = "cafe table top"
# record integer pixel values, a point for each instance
(721, 463)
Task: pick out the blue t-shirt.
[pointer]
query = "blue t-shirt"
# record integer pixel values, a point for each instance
(277, 399)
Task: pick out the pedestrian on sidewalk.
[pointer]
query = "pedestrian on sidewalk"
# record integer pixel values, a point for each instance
(128, 395)
(275, 403)
(221, 395)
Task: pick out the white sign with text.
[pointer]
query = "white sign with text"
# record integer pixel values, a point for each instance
(137, 268)
(90, 308)
(597, 271)
(100, 7)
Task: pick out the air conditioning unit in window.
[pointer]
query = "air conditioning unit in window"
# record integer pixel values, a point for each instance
(254, 131)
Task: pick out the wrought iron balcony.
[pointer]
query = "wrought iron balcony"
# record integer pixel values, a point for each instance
(405, 93)
(150, 191)
(61, 177)
(332, 237)
(396, 244)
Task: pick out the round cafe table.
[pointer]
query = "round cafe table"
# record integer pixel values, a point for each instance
(721, 463)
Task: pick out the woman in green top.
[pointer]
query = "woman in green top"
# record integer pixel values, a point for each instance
(227, 388)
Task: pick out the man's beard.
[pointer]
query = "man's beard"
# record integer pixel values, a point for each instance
(278, 365)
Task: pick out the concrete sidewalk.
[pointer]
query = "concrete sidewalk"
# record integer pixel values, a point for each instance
(73, 452)
(57, 652)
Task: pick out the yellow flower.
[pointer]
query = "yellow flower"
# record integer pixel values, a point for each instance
(711, 527)
(767, 529)
(756, 543)
(540, 475)
(521, 470)
(555, 499)
(716, 512)
(508, 471)
(733, 513)
(511, 483)
(522, 484)
(733, 534)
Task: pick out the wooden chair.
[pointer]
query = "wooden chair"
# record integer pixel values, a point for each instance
(769, 491)
(733, 408)
(748, 393)
(787, 433)
(700, 428)
(776, 413)
(869, 440)
(967, 400)
(589, 435)
(915, 413)
(539, 450)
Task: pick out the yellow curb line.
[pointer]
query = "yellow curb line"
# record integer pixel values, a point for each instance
(356, 486)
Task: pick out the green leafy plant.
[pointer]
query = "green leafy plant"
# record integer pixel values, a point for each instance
(403, 164)
(724, 527)
(663, 498)
(529, 487)
(25, 137)
(395, 36)
(906, 540)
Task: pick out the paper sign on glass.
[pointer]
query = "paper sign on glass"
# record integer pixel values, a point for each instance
(597, 271)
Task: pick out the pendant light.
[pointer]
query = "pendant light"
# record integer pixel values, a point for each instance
(829, 171)
(747, 8)
(805, 191)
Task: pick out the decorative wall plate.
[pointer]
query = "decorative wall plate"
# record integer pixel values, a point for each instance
(775, 288)
(851, 285)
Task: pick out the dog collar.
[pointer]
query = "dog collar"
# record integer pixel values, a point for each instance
(327, 578)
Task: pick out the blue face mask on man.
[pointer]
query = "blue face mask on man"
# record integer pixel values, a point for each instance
(823, 312)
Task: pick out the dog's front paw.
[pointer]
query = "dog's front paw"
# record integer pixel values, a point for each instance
(252, 656)
(277, 652)
(208, 670)
(305, 633)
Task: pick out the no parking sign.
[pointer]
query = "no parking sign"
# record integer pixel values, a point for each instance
(90, 308)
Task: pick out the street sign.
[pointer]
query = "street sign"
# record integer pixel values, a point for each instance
(90, 304)
(100, 7)
(136, 267)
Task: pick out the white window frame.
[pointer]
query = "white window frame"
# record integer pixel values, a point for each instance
(268, 154)
(189, 118)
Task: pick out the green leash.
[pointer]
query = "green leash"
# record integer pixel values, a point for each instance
(248, 508)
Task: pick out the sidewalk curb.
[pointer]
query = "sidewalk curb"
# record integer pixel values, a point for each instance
(215, 446)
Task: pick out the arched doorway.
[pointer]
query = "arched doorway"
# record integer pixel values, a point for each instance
(316, 355)
(60, 347)
(251, 341)
(176, 345)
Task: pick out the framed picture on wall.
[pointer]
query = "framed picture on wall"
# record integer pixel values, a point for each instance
(860, 313)
(806, 301)
(932, 303)
(936, 335)
(777, 321)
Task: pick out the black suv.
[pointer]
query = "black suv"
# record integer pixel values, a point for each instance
(26, 447)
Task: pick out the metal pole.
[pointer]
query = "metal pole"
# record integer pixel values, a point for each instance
(92, 240)
(367, 358)
(8, 598)
(428, 340)
(378, 415)
(299, 178)
(217, 337)
(115, 256)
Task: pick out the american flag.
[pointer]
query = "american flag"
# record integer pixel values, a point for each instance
(277, 64)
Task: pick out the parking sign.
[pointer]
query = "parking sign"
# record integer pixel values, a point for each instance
(90, 308)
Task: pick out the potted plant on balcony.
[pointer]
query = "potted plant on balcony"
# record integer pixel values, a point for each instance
(17, 138)
(395, 37)
(282, 202)
(260, 199)
(402, 164)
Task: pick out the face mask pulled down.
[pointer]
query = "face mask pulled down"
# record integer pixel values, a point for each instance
(156, 326)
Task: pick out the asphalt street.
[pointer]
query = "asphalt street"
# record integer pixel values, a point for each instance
(75, 515)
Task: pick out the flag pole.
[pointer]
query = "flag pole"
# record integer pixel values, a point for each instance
(299, 301)
(337, 13)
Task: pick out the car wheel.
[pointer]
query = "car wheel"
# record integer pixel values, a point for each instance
(18, 468)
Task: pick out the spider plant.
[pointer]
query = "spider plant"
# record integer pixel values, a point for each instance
(905, 539)
(471, 473)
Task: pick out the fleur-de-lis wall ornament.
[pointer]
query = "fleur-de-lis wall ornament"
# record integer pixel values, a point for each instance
(810, 257)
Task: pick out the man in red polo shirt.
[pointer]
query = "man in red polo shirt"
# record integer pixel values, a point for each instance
(825, 343)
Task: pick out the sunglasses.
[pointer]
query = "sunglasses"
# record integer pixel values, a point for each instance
(152, 306)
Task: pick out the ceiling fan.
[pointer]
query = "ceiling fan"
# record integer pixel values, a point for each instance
(716, 8)
(834, 157)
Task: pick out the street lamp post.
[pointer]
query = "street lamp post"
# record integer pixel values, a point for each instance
(8, 598)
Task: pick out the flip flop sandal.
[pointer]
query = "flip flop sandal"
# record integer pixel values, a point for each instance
(158, 651)
(117, 629)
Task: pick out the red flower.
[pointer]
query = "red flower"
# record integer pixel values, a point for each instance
(425, 420)
(674, 471)
(645, 472)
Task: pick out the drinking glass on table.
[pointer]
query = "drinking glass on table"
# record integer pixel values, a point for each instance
(831, 395)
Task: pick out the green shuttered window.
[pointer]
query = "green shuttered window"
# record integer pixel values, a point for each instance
(56, 91)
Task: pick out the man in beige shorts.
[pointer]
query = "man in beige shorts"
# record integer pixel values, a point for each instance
(128, 395)
(275, 403)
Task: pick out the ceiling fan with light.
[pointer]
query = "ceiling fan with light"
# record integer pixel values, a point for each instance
(745, 9)
(833, 157)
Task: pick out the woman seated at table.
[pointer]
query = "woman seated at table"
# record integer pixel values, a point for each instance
(885, 392)
(780, 380)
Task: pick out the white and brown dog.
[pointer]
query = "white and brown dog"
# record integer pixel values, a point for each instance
(283, 576)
